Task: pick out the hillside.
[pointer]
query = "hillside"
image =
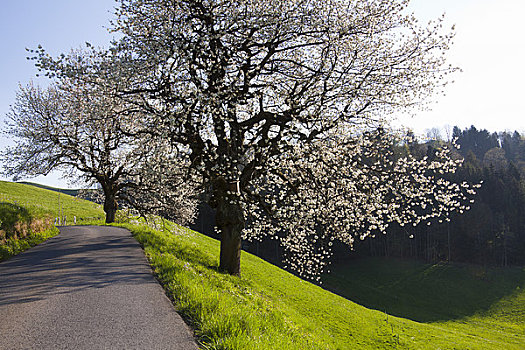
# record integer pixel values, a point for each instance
(426, 292)
(48, 203)
(268, 308)
(436, 306)
(28, 215)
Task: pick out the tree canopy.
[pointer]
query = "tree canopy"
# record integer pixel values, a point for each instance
(280, 111)
(84, 129)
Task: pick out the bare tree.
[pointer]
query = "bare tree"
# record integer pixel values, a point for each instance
(448, 132)
(434, 134)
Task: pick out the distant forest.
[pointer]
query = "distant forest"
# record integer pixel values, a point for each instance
(492, 232)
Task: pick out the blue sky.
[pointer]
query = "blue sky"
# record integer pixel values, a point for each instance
(489, 47)
(59, 26)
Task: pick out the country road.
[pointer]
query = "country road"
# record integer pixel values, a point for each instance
(88, 288)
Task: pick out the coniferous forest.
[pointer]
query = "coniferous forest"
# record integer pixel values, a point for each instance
(492, 232)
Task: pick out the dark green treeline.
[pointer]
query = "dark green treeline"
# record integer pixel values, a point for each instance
(492, 232)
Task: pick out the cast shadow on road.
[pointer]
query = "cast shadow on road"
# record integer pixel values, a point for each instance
(52, 269)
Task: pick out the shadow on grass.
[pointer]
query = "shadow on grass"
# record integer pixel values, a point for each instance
(424, 292)
(15, 220)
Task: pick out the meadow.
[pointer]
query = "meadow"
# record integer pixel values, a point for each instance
(373, 303)
(269, 308)
(42, 202)
(28, 215)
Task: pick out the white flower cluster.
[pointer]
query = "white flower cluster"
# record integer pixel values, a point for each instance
(270, 107)
(345, 188)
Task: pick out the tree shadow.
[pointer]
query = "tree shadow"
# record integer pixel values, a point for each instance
(69, 263)
(425, 292)
(14, 220)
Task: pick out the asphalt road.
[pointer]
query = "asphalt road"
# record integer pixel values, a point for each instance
(88, 288)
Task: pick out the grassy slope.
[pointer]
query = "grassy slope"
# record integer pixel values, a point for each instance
(71, 192)
(30, 204)
(43, 202)
(13, 247)
(424, 292)
(269, 308)
(488, 302)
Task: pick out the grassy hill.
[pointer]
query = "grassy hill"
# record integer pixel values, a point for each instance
(426, 292)
(486, 302)
(27, 215)
(435, 306)
(268, 308)
(48, 203)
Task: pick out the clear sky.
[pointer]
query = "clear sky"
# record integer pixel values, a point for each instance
(59, 26)
(489, 47)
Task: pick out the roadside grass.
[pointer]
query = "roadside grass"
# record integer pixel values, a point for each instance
(449, 306)
(268, 308)
(13, 246)
(13, 219)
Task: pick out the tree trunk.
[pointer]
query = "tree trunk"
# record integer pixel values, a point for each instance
(110, 207)
(230, 221)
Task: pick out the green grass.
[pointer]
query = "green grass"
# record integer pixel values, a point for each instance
(27, 215)
(13, 246)
(424, 292)
(41, 202)
(268, 308)
(436, 306)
